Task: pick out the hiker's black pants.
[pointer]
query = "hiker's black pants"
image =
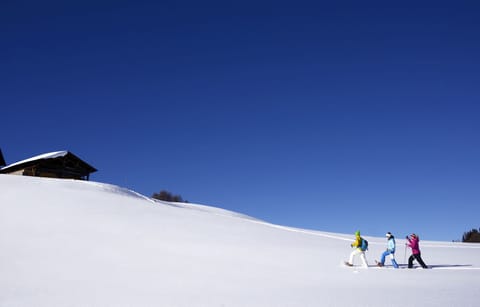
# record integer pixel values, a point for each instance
(418, 258)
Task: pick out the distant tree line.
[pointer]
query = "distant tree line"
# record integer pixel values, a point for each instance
(471, 236)
(167, 196)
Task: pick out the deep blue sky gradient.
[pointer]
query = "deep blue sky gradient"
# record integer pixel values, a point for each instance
(330, 116)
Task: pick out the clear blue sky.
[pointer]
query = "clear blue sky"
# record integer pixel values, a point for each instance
(336, 117)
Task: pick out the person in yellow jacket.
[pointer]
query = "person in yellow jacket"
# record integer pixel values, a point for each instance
(360, 249)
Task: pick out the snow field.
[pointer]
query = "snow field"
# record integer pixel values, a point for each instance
(74, 243)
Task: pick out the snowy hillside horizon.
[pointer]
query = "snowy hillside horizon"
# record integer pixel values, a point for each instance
(77, 243)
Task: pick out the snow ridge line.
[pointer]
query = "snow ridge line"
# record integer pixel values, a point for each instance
(128, 192)
(336, 237)
(119, 190)
(317, 233)
(304, 231)
(454, 268)
(256, 221)
(456, 245)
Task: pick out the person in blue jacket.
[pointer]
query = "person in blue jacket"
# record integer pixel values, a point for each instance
(390, 251)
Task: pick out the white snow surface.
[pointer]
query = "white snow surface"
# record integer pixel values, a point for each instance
(76, 243)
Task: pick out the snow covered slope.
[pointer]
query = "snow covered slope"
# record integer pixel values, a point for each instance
(74, 243)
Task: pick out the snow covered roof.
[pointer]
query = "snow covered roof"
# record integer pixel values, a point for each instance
(49, 155)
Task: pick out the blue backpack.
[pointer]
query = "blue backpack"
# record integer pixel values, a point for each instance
(364, 245)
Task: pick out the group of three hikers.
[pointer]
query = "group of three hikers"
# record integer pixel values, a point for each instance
(361, 246)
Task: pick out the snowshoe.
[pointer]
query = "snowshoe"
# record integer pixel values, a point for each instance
(379, 263)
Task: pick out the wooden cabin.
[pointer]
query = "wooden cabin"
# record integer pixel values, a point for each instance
(59, 164)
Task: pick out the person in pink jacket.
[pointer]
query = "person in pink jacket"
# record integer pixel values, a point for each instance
(412, 242)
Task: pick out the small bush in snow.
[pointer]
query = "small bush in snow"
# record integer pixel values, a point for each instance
(167, 196)
(471, 236)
